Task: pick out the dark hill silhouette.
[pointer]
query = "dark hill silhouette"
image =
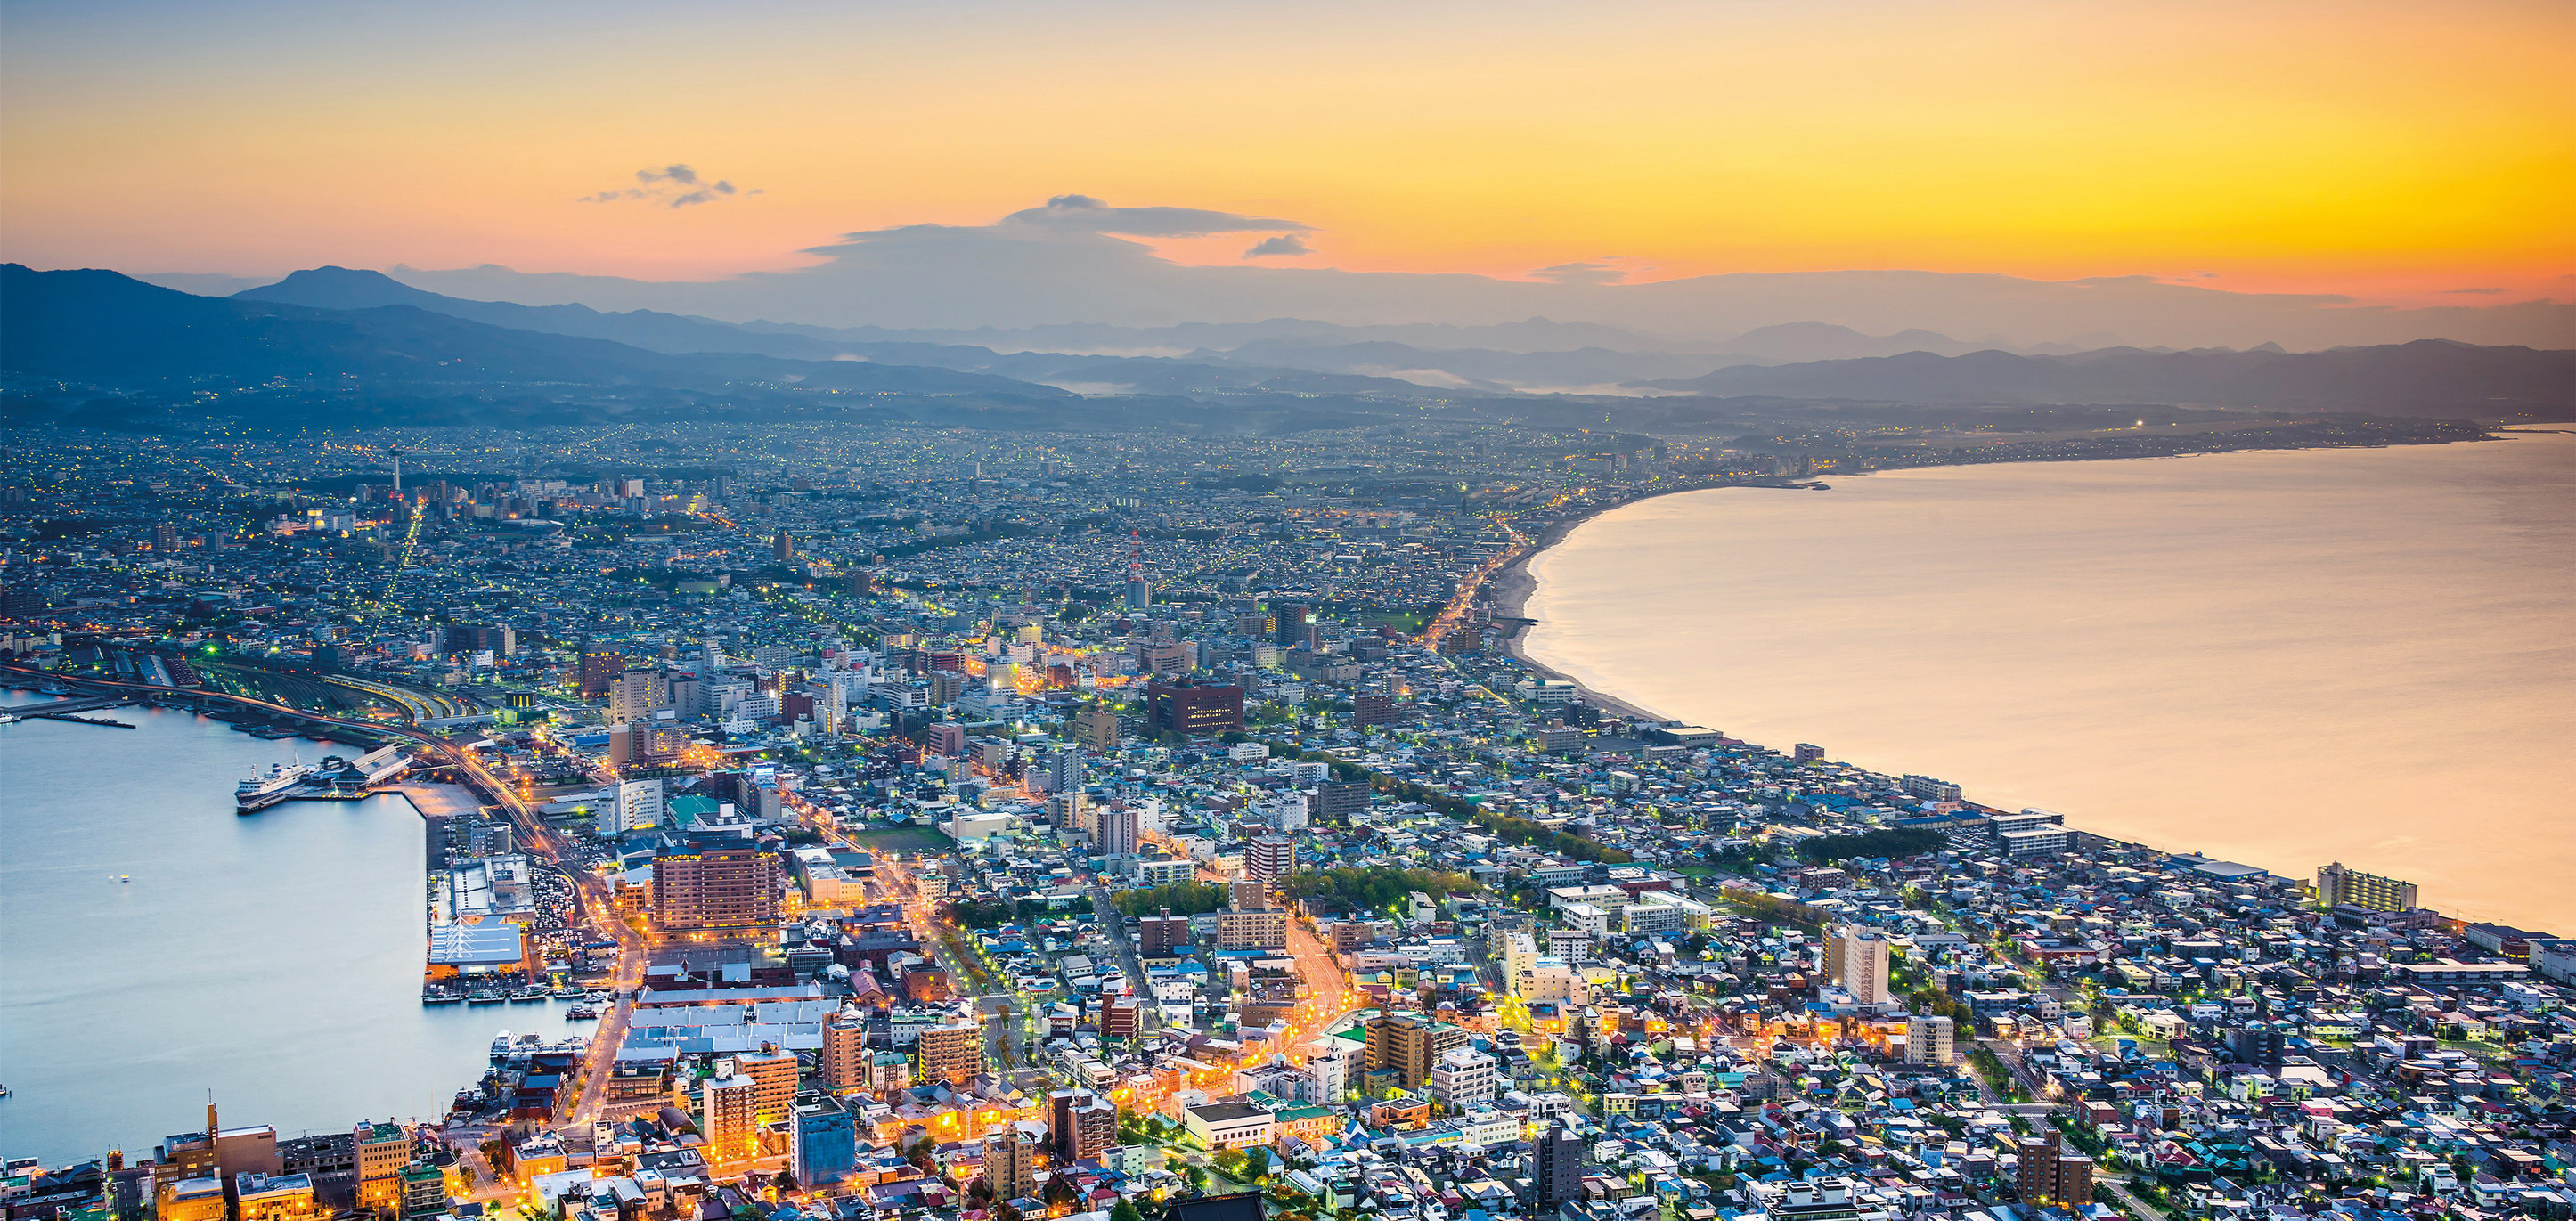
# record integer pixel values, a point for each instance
(2429, 377)
(105, 328)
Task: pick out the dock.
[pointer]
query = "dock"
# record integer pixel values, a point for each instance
(64, 710)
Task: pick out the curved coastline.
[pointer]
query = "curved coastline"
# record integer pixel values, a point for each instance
(1511, 595)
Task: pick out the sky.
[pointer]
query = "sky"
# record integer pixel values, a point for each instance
(2395, 152)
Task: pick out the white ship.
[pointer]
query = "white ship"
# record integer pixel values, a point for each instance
(256, 790)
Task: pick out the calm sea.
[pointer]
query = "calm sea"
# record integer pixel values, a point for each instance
(2280, 658)
(274, 959)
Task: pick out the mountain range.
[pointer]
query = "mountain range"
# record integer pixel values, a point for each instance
(336, 327)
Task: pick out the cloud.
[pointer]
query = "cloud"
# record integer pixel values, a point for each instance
(676, 185)
(1284, 244)
(2477, 292)
(1597, 271)
(1084, 214)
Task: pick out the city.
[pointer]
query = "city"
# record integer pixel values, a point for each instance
(899, 822)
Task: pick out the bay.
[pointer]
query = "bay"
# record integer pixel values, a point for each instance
(274, 959)
(2283, 658)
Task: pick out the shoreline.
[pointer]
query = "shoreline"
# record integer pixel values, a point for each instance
(1509, 588)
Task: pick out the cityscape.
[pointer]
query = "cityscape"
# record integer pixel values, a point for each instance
(908, 823)
(1461, 610)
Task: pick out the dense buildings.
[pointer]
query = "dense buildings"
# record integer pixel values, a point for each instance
(1438, 935)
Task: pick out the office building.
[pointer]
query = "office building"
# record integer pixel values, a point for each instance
(826, 1145)
(715, 884)
(600, 669)
(379, 1151)
(1193, 709)
(2341, 887)
(638, 806)
(284, 1197)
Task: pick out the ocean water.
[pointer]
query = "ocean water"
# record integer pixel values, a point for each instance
(274, 959)
(2282, 658)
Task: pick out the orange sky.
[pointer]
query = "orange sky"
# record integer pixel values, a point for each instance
(2392, 151)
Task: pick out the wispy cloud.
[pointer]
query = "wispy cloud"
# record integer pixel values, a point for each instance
(1286, 244)
(2475, 292)
(1086, 214)
(1594, 271)
(676, 185)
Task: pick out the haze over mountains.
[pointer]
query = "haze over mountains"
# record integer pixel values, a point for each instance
(1036, 269)
(338, 330)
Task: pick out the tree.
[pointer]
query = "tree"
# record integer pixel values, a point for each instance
(786, 1180)
(1125, 1210)
(1256, 1162)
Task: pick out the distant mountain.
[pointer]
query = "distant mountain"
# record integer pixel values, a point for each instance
(1799, 342)
(2428, 377)
(343, 288)
(109, 329)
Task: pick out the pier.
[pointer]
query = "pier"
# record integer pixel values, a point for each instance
(64, 710)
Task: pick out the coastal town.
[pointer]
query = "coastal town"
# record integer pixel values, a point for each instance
(924, 825)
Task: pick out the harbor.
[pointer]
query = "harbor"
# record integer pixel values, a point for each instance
(311, 1013)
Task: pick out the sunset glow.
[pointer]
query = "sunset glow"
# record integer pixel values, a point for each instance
(2394, 152)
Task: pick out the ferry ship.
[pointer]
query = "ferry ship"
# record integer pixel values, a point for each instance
(259, 789)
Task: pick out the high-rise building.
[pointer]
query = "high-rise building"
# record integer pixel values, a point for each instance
(1269, 858)
(1195, 709)
(1096, 726)
(599, 671)
(1857, 959)
(1083, 1125)
(1064, 770)
(2340, 887)
(1408, 1045)
(1556, 1166)
(637, 694)
(844, 1059)
(949, 1053)
(826, 1148)
(715, 884)
(1929, 1039)
(728, 1104)
(2050, 1176)
(1119, 826)
(774, 1072)
(1289, 623)
(1010, 1163)
(1140, 592)
(783, 548)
